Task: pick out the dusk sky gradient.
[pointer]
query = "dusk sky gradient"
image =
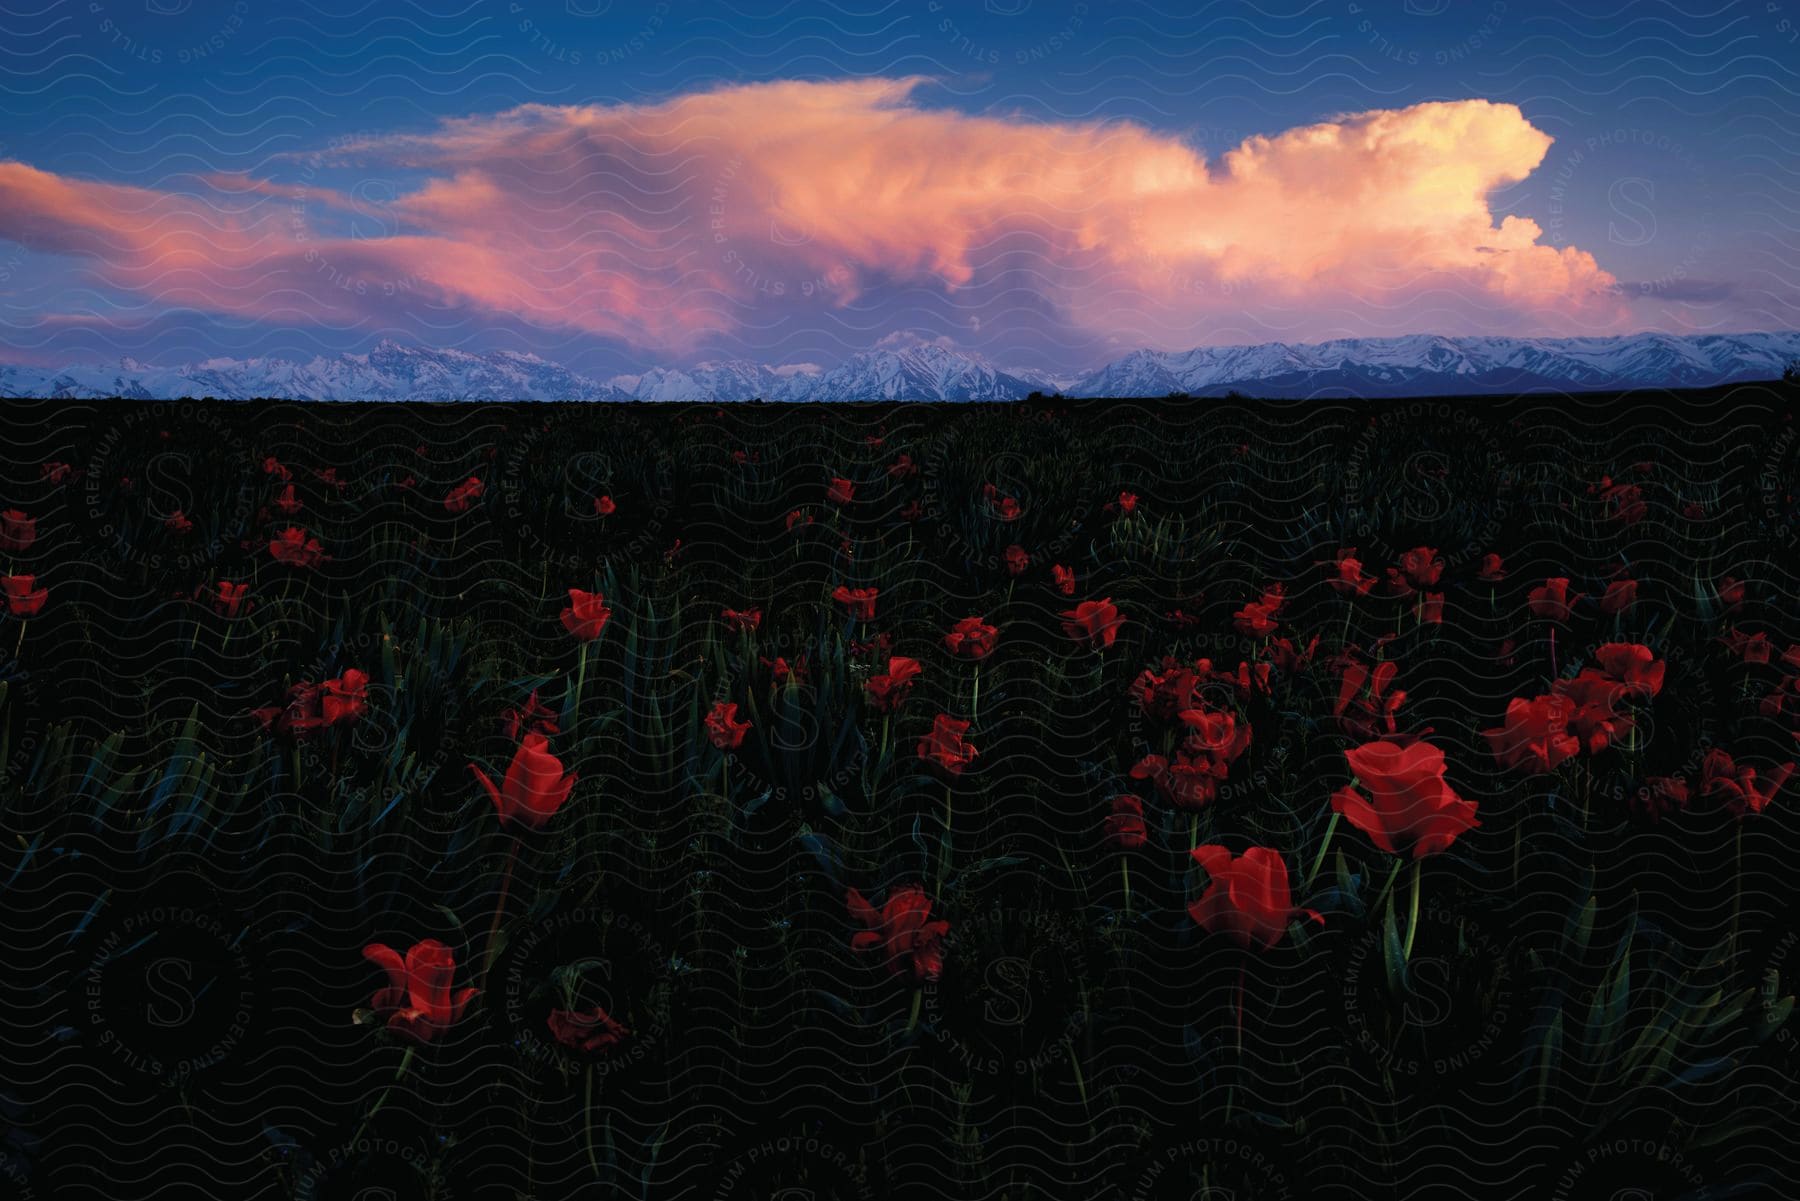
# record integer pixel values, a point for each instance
(1048, 183)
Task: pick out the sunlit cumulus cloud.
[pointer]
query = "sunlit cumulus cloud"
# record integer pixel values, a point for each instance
(666, 225)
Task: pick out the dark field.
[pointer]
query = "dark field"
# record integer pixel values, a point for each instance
(1556, 963)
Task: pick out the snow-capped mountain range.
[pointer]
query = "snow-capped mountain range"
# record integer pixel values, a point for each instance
(1417, 365)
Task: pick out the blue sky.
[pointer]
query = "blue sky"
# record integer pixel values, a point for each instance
(308, 135)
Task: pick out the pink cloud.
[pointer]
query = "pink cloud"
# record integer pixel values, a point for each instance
(664, 224)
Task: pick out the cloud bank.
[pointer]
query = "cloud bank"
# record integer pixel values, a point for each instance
(667, 225)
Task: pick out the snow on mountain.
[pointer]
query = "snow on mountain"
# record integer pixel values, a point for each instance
(1417, 365)
(925, 372)
(389, 372)
(1431, 365)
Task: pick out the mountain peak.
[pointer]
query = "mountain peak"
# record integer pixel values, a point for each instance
(913, 367)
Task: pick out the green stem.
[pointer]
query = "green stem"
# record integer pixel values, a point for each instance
(593, 1162)
(1330, 829)
(1737, 896)
(1125, 879)
(580, 682)
(405, 1062)
(1388, 887)
(1412, 918)
(912, 1021)
(493, 941)
(944, 845)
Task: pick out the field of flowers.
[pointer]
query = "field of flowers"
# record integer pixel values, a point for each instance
(1210, 800)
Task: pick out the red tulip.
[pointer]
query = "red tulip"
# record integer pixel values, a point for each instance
(1775, 702)
(1006, 508)
(344, 699)
(1737, 783)
(781, 671)
(1349, 575)
(1732, 592)
(586, 615)
(1093, 622)
(178, 523)
(17, 531)
(799, 517)
(945, 747)
(1419, 568)
(272, 466)
(1247, 897)
(903, 467)
(1163, 694)
(1063, 578)
(972, 638)
(858, 602)
(1431, 609)
(535, 786)
(1660, 795)
(1625, 501)
(287, 502)
(742, 621)
(840, 492)
(1619, 596)
(314, 706)
(1287, 657)
(1535, 734)
(605, 506)
(909, 942)
(1551, 599)
(22, 600)
(418, 1003)
(1374, 712)
(1493, 569)
(887, 691)
(1413, 807)
(227, 599)
(723, 727)
(594, 1032)
(1124, 826)
(1016, 560)
(1255, 619)
(1594, 720)
(1634, 665)
(294, 548)
(534, 718)
(56, 472)
(1190, 780)
(459, 498)
(1125, 505)
(1751, 648)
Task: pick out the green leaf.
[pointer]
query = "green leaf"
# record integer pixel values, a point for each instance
(1550, 1055)
(1580, 931)
(1392, 953)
